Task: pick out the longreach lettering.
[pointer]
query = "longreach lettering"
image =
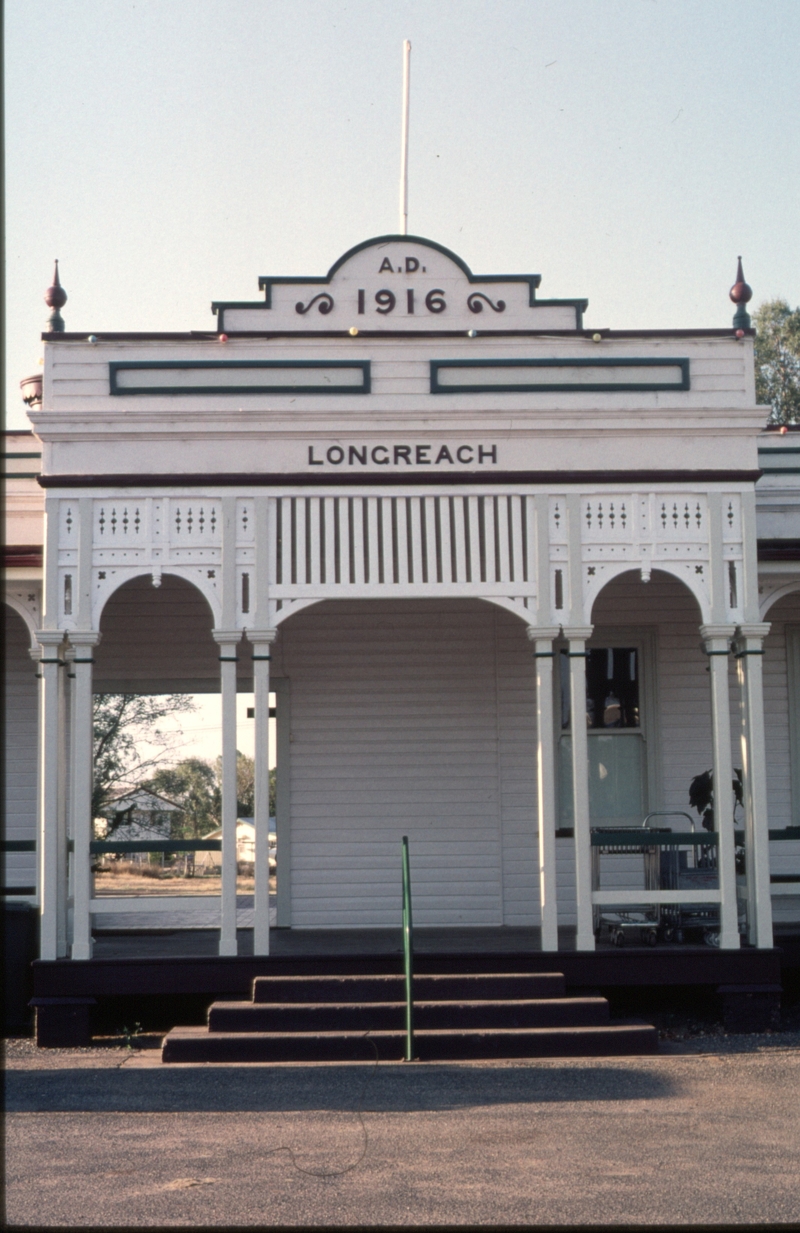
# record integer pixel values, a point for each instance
(402, 455)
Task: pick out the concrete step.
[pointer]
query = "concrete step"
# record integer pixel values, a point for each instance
(610, 1040)
(390, 1016)
(448, 987)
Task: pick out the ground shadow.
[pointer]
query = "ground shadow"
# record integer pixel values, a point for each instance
(389, 1088)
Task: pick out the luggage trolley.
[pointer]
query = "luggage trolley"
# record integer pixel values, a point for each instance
(662, 871)
(690, 866)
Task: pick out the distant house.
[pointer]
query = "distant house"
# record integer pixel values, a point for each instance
(139, 815)
(245, 846)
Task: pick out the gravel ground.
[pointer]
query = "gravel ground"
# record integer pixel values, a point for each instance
(706, 1132)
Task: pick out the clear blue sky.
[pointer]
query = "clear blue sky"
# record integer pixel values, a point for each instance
(170, 151)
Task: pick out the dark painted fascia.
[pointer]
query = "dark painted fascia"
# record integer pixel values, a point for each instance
(212, 336)
(558, 480)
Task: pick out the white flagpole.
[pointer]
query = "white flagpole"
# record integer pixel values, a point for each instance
(404, 141)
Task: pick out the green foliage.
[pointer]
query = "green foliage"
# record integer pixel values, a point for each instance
(122, 722)
(777, 356)
(245, 784)
(193, 785)
(273, 791)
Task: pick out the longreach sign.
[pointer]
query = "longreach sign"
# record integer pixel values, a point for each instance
(402, 455)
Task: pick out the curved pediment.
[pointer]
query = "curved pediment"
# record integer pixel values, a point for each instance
(396, 283)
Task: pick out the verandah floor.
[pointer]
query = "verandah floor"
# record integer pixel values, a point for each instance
(287, 944)
(188, 962)
(290, 943)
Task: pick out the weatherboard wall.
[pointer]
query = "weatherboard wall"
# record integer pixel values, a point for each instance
(19, 752)
(711, 424)
(418, 717)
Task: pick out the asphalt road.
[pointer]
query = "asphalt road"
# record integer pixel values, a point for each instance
(110, 1137)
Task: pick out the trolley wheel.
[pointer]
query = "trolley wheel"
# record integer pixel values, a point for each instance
(619, 938)
(652, 938)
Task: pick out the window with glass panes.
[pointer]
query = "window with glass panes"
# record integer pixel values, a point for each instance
(617, 773)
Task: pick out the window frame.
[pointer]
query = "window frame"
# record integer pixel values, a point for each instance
(645, 640)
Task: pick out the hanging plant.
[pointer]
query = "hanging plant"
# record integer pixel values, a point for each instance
(701, 798)
(701, 795)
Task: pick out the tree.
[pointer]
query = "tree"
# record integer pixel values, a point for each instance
(777, 355)
(246, 787)
(123, 723)
(245, 784)
(193, 785)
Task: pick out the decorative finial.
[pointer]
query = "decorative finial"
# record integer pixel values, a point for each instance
(55, 297)
(741, 294)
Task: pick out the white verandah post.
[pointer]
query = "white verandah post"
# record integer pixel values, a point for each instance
(83, 642)
(576, 630)
(716, 641)
(580, 785)
(228, 641)
(50, 735)
(64, 823)
(262, 642)
(749, 651)
(546, 783)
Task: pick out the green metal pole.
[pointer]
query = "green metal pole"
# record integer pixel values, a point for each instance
(408, 943)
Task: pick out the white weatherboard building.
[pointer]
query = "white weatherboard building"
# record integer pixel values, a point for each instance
(440, 520)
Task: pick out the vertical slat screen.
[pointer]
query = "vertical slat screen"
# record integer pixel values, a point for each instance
(357, 508)
(401, 541)
(458, 512)
(385, 508)
(300, 540)
(415, 554)
(447, 539)
(489, 573)
(373, 540)
(474, 540)
(516, 538)
(504, 572)
(315, 539)
(330, 541)
(431, 555)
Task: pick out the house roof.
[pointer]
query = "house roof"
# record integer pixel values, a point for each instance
(129, 799)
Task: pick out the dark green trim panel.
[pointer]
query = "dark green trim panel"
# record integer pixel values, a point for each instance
(212, 335)
(16, 455)
(639, 837)
(553, 387)
(358, 366)
(100, 846)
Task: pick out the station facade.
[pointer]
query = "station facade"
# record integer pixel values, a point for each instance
(510, 579)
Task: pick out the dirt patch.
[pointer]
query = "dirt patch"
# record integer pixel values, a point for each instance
(168, 883)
